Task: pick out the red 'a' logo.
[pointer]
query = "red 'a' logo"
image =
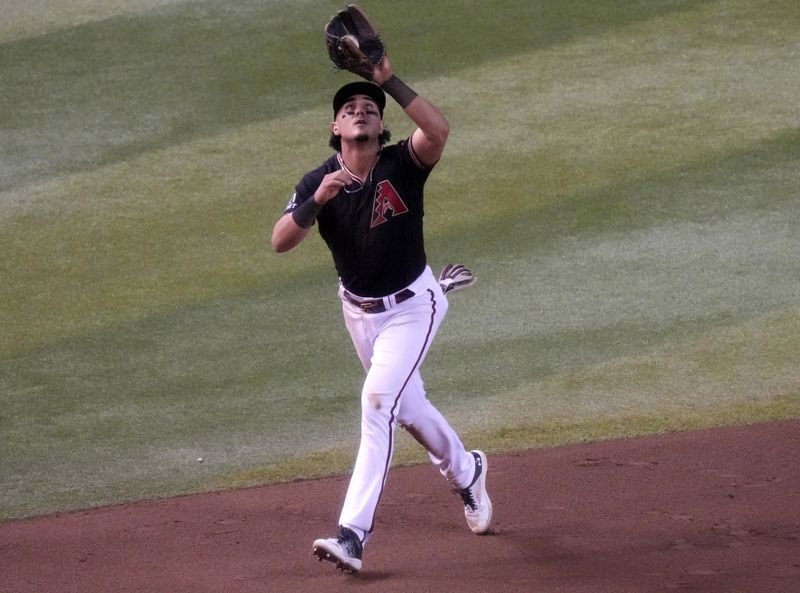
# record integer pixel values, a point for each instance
(387, 200)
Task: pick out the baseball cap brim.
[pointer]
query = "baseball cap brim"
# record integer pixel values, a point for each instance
(371, 90)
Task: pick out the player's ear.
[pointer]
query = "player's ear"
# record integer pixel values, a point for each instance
(334, 129)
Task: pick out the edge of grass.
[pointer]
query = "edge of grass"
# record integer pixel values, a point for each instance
(528, 436)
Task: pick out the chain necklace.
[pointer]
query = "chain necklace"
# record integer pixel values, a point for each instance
(358, 183)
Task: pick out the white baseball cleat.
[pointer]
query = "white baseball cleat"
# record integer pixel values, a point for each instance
(477, 505)
(344, 550)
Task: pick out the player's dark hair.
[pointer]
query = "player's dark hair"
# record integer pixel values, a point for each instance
(335, 141)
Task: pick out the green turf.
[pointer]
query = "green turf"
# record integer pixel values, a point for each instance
(620, 175)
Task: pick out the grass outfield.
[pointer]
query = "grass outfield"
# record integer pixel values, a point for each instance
(621, 176)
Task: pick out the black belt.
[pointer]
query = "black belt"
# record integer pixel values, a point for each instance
(377, 305)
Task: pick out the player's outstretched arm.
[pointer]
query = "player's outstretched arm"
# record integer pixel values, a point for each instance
(430, 136)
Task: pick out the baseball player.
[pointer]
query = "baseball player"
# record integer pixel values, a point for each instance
(367, 199)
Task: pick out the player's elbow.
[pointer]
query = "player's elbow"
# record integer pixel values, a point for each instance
(287, 234)
(279, 243)
(439, 133)
(279, 240)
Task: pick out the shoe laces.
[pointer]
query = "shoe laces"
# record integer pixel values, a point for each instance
(349, 540)
(344, 535)
(468, 494)
(468, 497)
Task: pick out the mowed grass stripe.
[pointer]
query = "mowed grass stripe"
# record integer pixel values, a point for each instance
(729, 375)
(32, 18)
(191, 222)
(606, 261)
(545, 337)
(657, 96)
(101, 92)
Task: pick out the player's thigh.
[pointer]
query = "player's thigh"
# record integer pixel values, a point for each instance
(363, 332)
(399, 350)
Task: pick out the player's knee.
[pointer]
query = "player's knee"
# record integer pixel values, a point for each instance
(373, 400)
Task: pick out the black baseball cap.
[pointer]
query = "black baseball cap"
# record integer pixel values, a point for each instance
(371, 90)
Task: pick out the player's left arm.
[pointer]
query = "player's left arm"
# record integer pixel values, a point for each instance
(429, 138)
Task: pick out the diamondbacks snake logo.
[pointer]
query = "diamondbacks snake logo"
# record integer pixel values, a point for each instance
(387, 202)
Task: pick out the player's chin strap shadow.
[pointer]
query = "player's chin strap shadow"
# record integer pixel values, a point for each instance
(455, 277)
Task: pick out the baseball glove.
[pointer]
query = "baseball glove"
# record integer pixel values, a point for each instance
(455, 277)
(353, 43)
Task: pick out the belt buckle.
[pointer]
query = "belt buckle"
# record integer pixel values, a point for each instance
(366, 306)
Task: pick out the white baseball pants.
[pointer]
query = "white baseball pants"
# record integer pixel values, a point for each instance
(391, 346)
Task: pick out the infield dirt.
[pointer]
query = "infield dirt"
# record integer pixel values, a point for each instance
(713, 511)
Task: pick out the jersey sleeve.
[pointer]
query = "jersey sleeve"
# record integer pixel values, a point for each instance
(414, 168)
(305, 189)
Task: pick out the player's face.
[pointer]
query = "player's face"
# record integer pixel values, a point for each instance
(359, 119)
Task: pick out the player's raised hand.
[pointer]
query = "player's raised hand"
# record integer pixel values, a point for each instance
(382, 71)
(330, 186)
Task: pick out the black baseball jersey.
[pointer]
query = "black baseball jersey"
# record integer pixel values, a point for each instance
(373, 229)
